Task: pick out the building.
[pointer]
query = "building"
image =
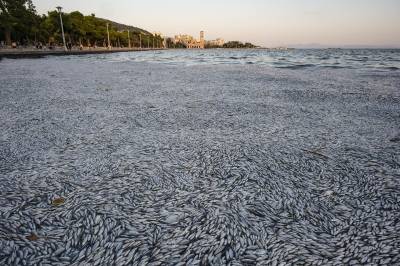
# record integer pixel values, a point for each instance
(183, 38)
(190, 42)
(217, 42)
(202, 38)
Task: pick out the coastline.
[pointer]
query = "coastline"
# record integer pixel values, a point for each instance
(35, 53)
(18, 53)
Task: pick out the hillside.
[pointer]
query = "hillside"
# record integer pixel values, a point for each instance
(120, 27)
(20, 23)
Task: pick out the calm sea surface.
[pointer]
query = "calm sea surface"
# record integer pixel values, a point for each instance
(372, 59)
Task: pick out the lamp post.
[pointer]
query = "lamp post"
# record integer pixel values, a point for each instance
(59, 8)
(108, 38)
(140, 40)
(129, 40)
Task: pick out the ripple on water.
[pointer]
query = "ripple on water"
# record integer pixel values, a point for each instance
(292, 59)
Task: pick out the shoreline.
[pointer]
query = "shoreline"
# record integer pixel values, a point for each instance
(40, 53)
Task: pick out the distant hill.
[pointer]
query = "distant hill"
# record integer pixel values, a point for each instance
(120, 27)
(359, 46)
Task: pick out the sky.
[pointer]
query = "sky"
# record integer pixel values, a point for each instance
(269, 23)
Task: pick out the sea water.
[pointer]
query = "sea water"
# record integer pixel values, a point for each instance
(377, 59)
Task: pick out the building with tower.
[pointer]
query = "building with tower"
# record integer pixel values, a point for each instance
(190, 42)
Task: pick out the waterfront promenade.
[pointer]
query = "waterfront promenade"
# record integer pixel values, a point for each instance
(33, 52)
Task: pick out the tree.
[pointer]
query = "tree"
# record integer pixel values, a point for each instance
(17, 19)
(237, 44)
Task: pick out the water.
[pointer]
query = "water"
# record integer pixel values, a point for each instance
(367, 59)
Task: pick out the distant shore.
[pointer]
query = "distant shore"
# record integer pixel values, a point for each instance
(23, 53)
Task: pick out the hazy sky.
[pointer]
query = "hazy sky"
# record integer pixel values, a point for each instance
(263, 22)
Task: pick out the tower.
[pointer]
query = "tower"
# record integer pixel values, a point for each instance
(202, 39)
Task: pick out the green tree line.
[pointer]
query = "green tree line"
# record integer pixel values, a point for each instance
(19, 22)
(231, 44)
(171, 44)
(237, 44)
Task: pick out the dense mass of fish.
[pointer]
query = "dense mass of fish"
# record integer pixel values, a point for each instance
(107, 162)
